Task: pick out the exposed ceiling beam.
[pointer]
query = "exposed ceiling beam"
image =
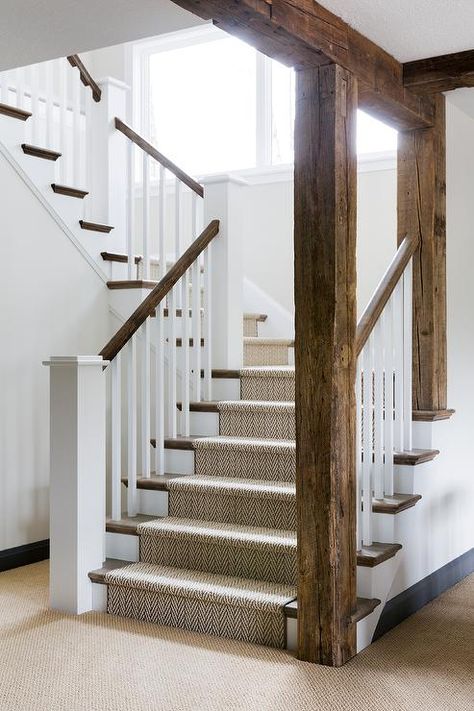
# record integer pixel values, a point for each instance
(450, 71)
(303, 33)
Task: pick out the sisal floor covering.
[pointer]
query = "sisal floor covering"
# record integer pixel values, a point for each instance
(53, 662)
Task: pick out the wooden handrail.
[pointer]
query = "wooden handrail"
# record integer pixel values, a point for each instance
(75, 61)
(155, 153)
(384, 291)
(155, 297)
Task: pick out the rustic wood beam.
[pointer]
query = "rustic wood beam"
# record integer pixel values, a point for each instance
(325, 327)
(302, 33)
(422, 212)
(436, 74)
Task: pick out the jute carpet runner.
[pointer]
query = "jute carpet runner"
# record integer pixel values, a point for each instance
(224, 561)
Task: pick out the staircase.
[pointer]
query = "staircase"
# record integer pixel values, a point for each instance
(207, 540)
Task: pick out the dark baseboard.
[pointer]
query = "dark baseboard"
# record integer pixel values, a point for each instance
(24, 555)
(411, 600)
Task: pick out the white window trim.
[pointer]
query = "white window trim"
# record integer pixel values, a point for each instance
(206, 32)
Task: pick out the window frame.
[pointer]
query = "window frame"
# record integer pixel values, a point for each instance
(203, 33)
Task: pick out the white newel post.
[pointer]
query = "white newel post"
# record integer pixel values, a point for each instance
(77, 478)
(223, 200)
(109, 161)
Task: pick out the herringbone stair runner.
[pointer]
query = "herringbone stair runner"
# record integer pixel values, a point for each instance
(224, 561)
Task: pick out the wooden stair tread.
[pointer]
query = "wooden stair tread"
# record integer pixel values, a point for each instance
(432, 415)
(127, 524)
(415, 456)
(95, 226)
(98, 576)
(395, 504)
(155, 482)
(132, 284)
(371, 556)
(118, 257)
(38, 152)
(69, 191)
(261, 318)
(365, 606)
(14, 112)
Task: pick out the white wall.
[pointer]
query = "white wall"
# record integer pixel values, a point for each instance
(52, 303)
(268, 230)
(441, 527)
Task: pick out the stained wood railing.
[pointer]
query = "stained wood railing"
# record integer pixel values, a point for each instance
(384, 386)
(75, 61)
(189, 274)
(384, 291)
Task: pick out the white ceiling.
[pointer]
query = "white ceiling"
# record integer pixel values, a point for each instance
(34, 30)
(411, 29)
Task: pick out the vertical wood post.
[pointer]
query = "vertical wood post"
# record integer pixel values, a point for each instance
(422, 211)
(325, 325)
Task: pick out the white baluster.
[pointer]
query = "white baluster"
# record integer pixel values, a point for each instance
(185, 354)
(146, 217)
(20, 87)
(64, 70)
(5, 87)
(367, 464)
(177, 219)
(160, 392)
(76, 128)
(34, 80)
(378, 411)
(207, 324)
(172, 424)
(161, 222)
(28, 102)
(389, 400)
(407, 357)
(132, 427)
(130, 210)
(116, 438)
(146, 399)
(359, 535)
(398, 365)
(49, 69)
(196, 329)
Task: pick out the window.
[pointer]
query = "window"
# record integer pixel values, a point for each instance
(213, 104)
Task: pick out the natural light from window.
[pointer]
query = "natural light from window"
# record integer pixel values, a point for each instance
(208, 114)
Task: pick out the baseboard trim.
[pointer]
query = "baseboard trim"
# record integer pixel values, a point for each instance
(24, 555)
(413, 599)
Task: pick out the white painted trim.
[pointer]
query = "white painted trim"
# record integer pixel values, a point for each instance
(4, 151)
(371, 162)
(111, 81)
(77, 360)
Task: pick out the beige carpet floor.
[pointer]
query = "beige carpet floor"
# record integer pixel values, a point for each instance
(51, 662)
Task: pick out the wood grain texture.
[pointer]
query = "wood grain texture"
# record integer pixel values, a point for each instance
(437, 74)
(95, 226)
(75, 61)
(325, 324)
(156, 155)
(364, 607)
(14, 112)
(302, 33)
(36, 152)
(384, 290)
(422, 212)
(160, 291)
(69, 191)
(432, 415)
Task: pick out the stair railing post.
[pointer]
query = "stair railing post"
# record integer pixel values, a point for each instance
(223, 200)
(108, 174)
(77, 479)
